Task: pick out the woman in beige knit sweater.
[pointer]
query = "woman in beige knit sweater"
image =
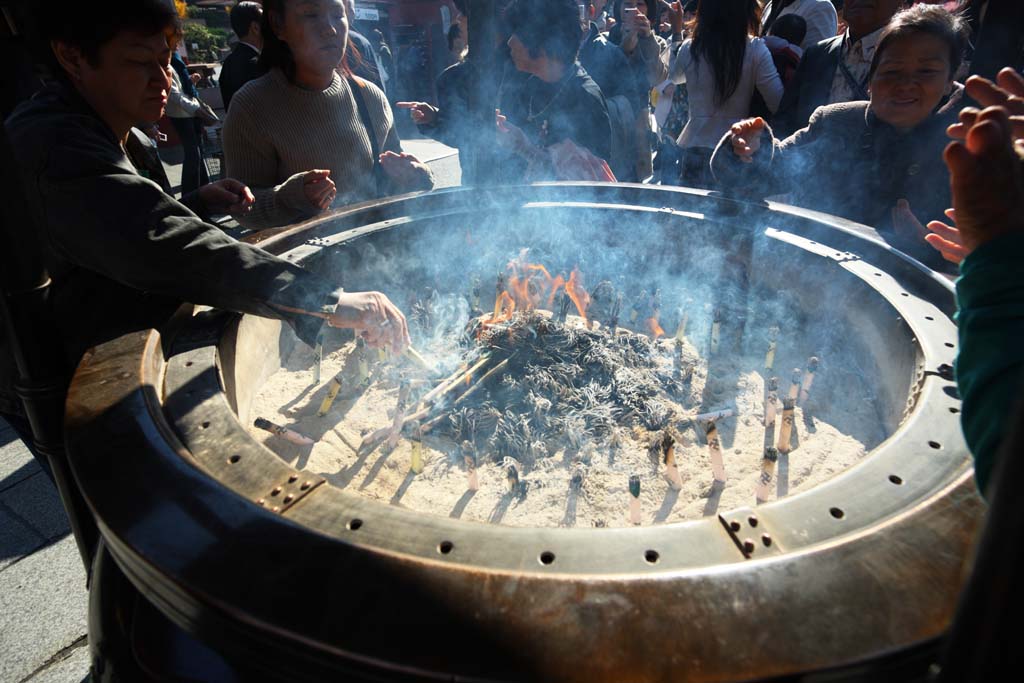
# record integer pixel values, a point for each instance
(308, 135)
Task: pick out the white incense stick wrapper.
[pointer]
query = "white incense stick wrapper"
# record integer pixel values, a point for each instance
(805, 388)
(786, 431)
(715, 415)
(634, 499)
(764, 483)
(283, 432)
(715, 451)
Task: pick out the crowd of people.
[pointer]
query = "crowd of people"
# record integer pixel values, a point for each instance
(847, 112)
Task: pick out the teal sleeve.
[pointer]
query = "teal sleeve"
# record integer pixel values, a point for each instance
(990, 365)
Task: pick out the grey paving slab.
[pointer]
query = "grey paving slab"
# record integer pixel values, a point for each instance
(73, 667)
(35, 501)
(16, 539)
(16, 463)
(43, 605)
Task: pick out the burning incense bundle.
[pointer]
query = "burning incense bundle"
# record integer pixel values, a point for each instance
(396, 424)
(576, 482)
(469, 458)
(715, 451)
(563, 306)
(474, 295)
(355, 373)
(638, 305)
(416, 456)
(283, 432)
(794, 387)
(634, 499)
(771, 402)
(786, 431)
(613, 319)
(683, 314)
(716, 328)
(668, 454)
(769, 359)
(414, 355)
(771, 456)
(512, 477)
(805, 388)
(499, 289)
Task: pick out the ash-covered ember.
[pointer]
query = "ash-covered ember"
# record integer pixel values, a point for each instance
(564, 387)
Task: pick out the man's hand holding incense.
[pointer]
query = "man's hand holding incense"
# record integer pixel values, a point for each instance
(372, 315)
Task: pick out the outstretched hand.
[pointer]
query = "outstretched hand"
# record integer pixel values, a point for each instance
(227, 196)
(403, 169)
(372, 315)
(572, 162)
(746, 138)
(673, 16)
(946, 239)
(987, 181)
(1006, 92)
(422, 114)
(318, 188)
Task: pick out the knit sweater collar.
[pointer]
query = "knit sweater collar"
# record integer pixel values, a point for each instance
(335, 88)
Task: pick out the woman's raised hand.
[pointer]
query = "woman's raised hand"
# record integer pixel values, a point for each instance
(746, 138)
(421, 112)
(319, 188)
(1006, 92)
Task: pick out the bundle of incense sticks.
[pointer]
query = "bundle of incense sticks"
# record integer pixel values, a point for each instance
(716, 328)
(469, 458)
(634, 499)
(416, 454)
(805, 388)
(715, 451)
(771, 402)
(668, 455)
(786, 430)
(769, 359)
(283, 432)
(771, 456)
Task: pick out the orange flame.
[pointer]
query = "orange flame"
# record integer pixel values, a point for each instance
(655, 328)
(580, 297)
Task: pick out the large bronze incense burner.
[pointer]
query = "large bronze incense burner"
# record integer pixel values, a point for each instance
(286, 572)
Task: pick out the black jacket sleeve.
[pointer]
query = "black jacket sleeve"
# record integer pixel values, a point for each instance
(98, 214)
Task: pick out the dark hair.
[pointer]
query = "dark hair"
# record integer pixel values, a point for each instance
(277, 55)
(82, 25)
(653, 8)
(460, 5)
(720, 33)
(931, 20)
(243, 15)
(790, 27)
(549, 25)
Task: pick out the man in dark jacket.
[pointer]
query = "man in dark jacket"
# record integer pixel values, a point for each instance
(558, 101)
(122, 255)
(242, 65)
(835, 70)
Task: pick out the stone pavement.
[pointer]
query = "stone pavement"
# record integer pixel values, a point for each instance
(43, 597)
(42, 580)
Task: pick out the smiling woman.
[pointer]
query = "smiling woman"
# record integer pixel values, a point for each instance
(872, 162)
(309, 134)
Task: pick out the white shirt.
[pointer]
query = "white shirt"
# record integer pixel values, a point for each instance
(710, 120)
(820, 15)
(856, 57)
